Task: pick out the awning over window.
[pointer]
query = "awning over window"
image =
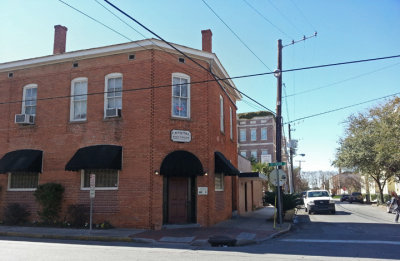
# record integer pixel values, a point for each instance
(255, 175)
(222, 165)
(96, 157)
(22, 161)
(181, 163)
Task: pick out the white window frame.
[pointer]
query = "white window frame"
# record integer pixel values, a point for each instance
(243, 152)
(219, 176)
(242, 137)
(266, 133)
(97, 188)
(72, 103)
(221, 113)
(20, 189)
(182, 76)
(106, 78)
(26, 87)
(231, 122)
(253, 131)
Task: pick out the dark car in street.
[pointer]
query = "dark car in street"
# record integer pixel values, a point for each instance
(356, 197)
(344, 197)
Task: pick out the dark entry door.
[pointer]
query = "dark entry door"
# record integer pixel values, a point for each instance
(177, 200)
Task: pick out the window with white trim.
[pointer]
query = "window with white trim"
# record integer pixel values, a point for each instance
(105, 179)
(221, 113)
(23, 180)
(113, 92)
(230, 123)
(242, 134)
(180, 95)
(253, 134)
(219, 182)
(29, 99)
(243, 153)
(264, 152)
(263, 133)
(78, 99)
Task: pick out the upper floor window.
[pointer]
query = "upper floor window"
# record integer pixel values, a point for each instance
(242, 134)
(78, 99)
(29, 99)
(253, 134)
(180, 95)
(264, 133)
(230, 123)
(221, 113)
(113, 93)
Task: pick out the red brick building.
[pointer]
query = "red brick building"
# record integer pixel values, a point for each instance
(163, 147)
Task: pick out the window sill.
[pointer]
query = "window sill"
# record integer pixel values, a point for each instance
(180, 119)
(112, 119)
(77, 121)
(219, 190)
(21, 189)
(105, 188)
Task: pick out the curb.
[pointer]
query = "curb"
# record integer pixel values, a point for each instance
(82, 238)
(276, 234)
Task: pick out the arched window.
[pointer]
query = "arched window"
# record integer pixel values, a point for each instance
(180, 95)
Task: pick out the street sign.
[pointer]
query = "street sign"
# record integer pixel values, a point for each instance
(275, 174)
(273, 164)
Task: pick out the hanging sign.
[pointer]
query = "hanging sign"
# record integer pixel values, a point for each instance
(181, 136)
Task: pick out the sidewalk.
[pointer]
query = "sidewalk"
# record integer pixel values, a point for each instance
(251, 228)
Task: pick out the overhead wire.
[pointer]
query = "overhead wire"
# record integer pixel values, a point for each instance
(305, 18)
(235, 34)
(283, 15)
(266, 19)
(342, 108)
(242, 93)
(341, 81)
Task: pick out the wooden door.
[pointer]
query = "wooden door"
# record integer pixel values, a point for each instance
(177, 200)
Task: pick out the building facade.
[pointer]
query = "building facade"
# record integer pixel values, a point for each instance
(256, 136)
(158, 132)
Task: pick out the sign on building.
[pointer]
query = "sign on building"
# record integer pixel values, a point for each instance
(181, 136)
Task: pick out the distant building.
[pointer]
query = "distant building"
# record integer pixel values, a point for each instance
(256, 136)
(345, 183)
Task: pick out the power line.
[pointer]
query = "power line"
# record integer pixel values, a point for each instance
(266, 19)
(287, 107)
(230, 29)
(342, 108)
(284, 16)
(341, 81)
(305, 18)
(146, 49)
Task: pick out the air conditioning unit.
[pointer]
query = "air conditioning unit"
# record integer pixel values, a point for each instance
(24, 119)
(115, 112)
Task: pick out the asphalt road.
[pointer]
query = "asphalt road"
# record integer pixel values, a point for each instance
(355, 232)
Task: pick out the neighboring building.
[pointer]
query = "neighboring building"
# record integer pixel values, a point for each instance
(256, 136)
(163, 150)
(345, 183)
(251, 187)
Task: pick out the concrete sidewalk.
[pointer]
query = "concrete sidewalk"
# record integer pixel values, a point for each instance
(252, 228)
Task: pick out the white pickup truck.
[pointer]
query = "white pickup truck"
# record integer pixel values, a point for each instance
(318, 201)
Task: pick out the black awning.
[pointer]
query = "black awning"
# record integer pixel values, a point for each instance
(252, 175)
(222, 165)
(96, 157)
(22, 160)
(181, 163)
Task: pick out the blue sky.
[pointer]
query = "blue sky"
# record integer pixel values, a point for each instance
(347, 30)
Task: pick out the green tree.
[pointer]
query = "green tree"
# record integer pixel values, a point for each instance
(371, 143)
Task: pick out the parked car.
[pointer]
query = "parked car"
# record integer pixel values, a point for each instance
(319, 201)
(344, 197)
(356, 197)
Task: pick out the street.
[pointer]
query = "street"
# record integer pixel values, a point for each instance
(355, 232)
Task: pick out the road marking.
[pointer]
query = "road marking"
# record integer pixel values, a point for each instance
(342, 241)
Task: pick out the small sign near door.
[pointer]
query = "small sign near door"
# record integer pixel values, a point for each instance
(92, 185)
(181, 136)
(202, 191)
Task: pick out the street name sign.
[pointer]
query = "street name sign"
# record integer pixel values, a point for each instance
(273, 164)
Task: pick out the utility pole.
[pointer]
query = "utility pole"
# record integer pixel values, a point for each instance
(278, 75)
(291, 152)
